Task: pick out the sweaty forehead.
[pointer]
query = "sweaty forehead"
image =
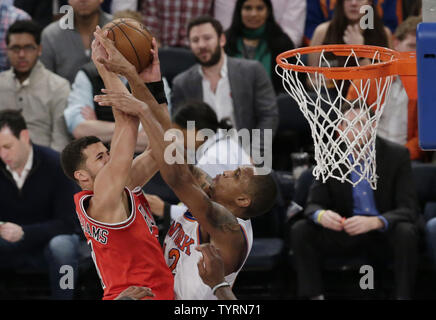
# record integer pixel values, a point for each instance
(247, 170)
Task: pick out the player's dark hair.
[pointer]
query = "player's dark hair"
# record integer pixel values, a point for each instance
(263, 193)
(25, 26)
(14, 120)
(203, 20)
(72, 156)
(201, 113)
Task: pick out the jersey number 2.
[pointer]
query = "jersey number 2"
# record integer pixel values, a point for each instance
(174, 253)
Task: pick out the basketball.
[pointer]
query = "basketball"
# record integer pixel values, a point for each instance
(132, 39)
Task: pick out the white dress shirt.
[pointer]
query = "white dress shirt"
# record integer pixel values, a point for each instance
(20, 179)
(221, 100)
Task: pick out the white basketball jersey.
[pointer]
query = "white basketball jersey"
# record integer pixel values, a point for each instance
(182, 258)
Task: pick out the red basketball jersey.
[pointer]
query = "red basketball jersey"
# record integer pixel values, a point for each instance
(127, 253)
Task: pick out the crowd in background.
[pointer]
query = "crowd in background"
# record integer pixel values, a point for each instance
(222, 54)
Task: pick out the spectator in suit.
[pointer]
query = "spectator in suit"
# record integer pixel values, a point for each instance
(8, 15)
(238, 90)
(30, 87)
(37, 229)
(254, 34)
(65, 51)
(341, 220)
(167, 19)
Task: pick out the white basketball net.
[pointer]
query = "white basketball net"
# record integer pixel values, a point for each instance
(344, 141)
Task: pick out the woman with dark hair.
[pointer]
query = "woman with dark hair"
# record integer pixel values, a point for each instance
(254, 34)
(345, 28)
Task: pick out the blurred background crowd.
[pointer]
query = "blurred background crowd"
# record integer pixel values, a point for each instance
(218, 63)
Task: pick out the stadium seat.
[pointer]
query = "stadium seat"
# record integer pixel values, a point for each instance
(175, 60)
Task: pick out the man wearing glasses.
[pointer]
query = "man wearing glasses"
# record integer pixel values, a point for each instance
(29, 86)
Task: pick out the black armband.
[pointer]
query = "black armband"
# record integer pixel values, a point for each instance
(158, 91)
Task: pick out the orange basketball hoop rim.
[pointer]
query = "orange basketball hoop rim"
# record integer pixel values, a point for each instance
(391, 62)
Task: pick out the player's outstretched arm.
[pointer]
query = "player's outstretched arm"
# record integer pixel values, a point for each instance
(111, 180)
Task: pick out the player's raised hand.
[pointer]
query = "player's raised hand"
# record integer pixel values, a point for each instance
(152, 72)
(136, 293)
(98, 51)
(331, 220)
(124, 102)
(114, 61)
